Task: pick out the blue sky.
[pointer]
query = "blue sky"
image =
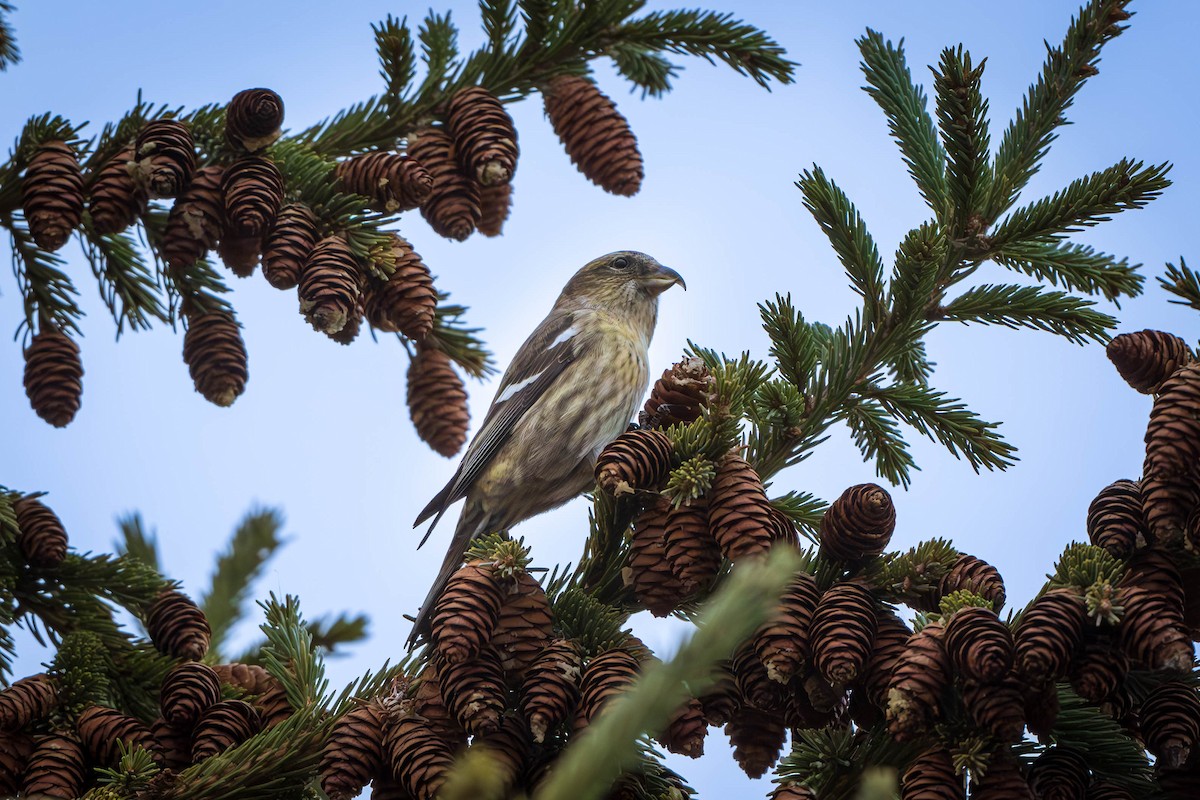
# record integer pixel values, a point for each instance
(323, 432)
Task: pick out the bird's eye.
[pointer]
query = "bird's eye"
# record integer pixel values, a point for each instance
(620, 263)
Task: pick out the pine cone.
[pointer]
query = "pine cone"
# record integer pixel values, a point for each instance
(177, 626)
(1154, 571)
(115, 201)
(1179, 785)
(635, 460)
(754, 685)
(932, 776)
(1003, 781)
(606, 676)
(1170, 719)
(524, 628)
(1103, 790)
(594, 134)
(216, 356)
(466, 613)
(392, 182)
(429, 703)
(330, 285)
(288, 245)
(998, 709)
(407, 301)
(739, 513)
(56, 768)
(757, 737)
(196, 221)
(1152, 631)
(253, 190)
(166, 157)
(680, 395)
(858, 524)
(784, 644)
(685, 732)
(722, 697)
(222, 726)
(843, 628)
(1059, 773)
(351, 329)
(1147, 358)
(27, 700)
(485, 139)
(240, 254)
(253, 119)
(979, 644)
(509, 749)
(52, 194)
(15, 749)
(172, 745)
(250, 678)
(792, 791)
(1114, 518)
(1041, 706)
(437, 401)
(53, 376)
(977, 576)
(689, 547)
(273, 706)
(42, 539)
(1167, 502)
(915, 688)
(783, 529)
(353, 753)
(647, 572)
(420, 761)
(1099, 669)
(187, 691)
(1173, 434)
(1049, 633)
(891, 640)
(475, 691)
(550, 690)
(452, 207)
(495, 204)
(104, 730)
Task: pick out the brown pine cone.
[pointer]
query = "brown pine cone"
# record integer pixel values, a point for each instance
(115, 201)
(437, 401)
(932, 776)
(52, 194)
(647, 572)
(392, 182)
(495, 204)
(1099, 669)
(429, 703)
(57, 768)
(1167, 502)
(757, 737)
(216, 356)
(843, 628)
(606, 676)
(253, 118)
(739, 513)
(979, 644)
(1179, 784)
(240, 254)
(1170, 720)
(783, 529)
(784, 643)
(524, 627)
(172, 745)
(859, 524)
(1153, 632)
(1114, 518)
(754, 685)
(1103, 790)
(177, 626)
(1041, 706)
(452, 207)
(42, 538)
(974, 575)
(1059, 773)
(466, 612)
(253, 190)
(509, 748)
(53, 376)
(915, 688)
(166, 157)
(691, 551)
(273, 706)
(485, 139)
(27, 700)
(1003, 781)
(250, 678)
(1173, 433)
(420, 761)
(722, 697)
(1147, 358)
(680, 395)
(1048, 635)
(406, 301)
(891, 640)
(351, 329)
(196, 221)
(475, 690)
(637, 460)
(998, 709)
(353, 753)
(288, 245)
(104, 730)
(792, 791)
(685, 732)
(187, 691)
(222, 726)
(15, 749)
(550, 690)
(594, 134)
(330, 285)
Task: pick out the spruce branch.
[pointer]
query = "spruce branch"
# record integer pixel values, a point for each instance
(878, 438)
(1076, 267)
(962, 119)
(1030, 307)
(1109, 751)
(137, 542)
(254, 542)
(1184, 283)
(9, 52)
(49, 296)
(128, 286)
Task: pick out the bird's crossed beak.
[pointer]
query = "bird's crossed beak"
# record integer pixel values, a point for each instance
(661, 279)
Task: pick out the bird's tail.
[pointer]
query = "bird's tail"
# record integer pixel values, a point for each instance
(471, 524)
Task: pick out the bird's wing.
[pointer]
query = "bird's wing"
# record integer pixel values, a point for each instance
(542, 358)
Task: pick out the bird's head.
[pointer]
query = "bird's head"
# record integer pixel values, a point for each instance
(620, 280)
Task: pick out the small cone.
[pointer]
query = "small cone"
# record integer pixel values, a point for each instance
(1041, 706)
(187, 692)
(253, 119)
(753, 683)
(250, 678)
(452, 207)
(288, 245)
(692, 552)
(509, 748)
(637, 460)
(891, 640)
(1147, 358)
(998, 709)
(475, 691)
(550, 690)
(1153, 571)
(52, 194)
(273, 706)
(1003, 781)
(407, 301)
(1153, 632)
(253, 190)
(103, 730)
(739, 513)
(1059, 773)
(1170, 719)
(392, 182)
(1048, 634)
(196, 221)
(330, 285)
(177, 626)
(792, 791)
(115, 201)
(53, 376)
(843, 628)
(1167, 502)
(757, 737)
(15, 749)
(722, 697)
(42, 538)
(437, 401)
(466, 613)
(222, 726)
(27, 700)
(1099, 669)
(932, 776)
(1114, 518)
(977, 576)
(240, 254)
(680, 395)
(353, 753)
(784, 644)
(916, 684)
(1103, 790)
(858, 524)
(485, 139)
(979, 644)
(524, 628)
(166, 157)
(429, 704)
(647, 571)
(420, 761)
(594, 134)
(684, 734)
(57, 768)
(495, 205)
(1173, 433)
(172, 745)
(606, 676)
(216, 356)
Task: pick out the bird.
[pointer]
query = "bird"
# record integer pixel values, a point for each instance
(571, 388)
